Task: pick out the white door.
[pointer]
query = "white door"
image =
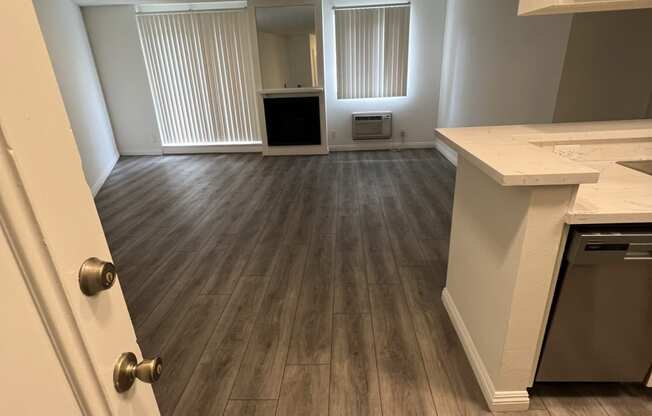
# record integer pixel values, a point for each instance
(48, 214)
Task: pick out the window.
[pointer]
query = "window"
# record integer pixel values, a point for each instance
(201, 74)
(372, 51)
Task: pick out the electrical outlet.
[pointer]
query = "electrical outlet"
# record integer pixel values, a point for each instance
(333, 135)
(403, 134)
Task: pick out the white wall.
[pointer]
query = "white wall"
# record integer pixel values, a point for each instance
(299, 60)
(72, 59)
(284, 60)
(113, 34)
(273, 60)
(415, 113)
(499, 68)
(608, 69)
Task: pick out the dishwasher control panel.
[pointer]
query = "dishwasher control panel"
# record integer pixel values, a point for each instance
(591, 247)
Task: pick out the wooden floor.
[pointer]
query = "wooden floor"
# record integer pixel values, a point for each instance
(303, 286)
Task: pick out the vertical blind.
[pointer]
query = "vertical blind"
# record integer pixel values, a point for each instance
(201, 74)
(372, 51)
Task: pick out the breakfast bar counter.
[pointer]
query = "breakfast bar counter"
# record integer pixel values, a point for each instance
(518, 190)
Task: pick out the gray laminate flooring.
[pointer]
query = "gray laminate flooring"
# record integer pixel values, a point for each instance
(303, 286)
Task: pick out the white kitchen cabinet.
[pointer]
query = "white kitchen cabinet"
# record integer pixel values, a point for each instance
(534, 7)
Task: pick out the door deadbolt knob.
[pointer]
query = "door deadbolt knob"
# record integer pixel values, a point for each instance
(127, 369)
(95, 276)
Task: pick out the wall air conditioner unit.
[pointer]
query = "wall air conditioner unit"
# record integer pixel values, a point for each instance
(372, 126)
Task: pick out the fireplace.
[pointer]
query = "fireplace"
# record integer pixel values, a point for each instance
(292, 121)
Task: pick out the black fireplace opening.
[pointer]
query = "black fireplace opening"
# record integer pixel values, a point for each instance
(292, 121)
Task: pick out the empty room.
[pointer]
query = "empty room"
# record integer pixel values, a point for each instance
(326, 207)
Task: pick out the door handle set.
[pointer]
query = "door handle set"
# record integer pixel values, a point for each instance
(95, 276)
(127, 369)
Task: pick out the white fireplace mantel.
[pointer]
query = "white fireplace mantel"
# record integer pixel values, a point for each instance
(293, 91)
(320, 149)
(263, 93)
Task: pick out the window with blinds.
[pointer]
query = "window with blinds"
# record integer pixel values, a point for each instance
(372, 51)
(201, 74)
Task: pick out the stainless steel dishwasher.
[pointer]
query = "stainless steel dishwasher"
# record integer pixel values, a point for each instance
(600, 326)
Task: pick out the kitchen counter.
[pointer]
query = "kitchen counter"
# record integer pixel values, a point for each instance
(556, 154)
(622, 195)
(517, 191)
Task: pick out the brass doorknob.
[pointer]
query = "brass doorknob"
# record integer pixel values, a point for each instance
(127, 369)
(95, 276)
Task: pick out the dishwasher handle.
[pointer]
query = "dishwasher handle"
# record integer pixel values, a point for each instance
(639, 252)
(602, 248)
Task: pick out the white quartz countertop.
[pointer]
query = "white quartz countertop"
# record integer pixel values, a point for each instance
(568, 154)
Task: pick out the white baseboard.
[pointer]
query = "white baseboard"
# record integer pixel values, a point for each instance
(310, 150)
(376, 145)
(95, 188)
(446, 151)
(236, 148)
(291, 150)
(498, 401)
(141, 153)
